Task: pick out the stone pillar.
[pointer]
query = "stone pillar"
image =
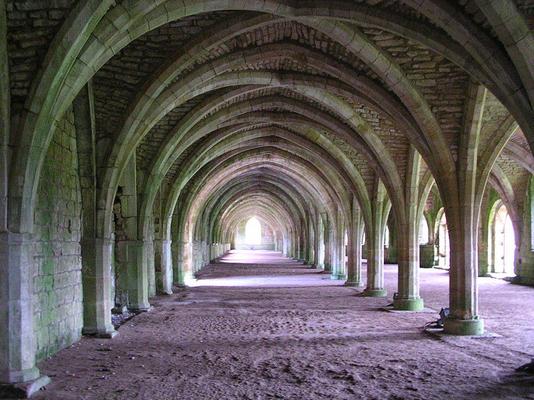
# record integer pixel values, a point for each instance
(137, 275)
(486, 233)
(328, 239)
(96, 275)
(316, 248)
(375, 246)
(5, 118)
(408, 298)
(354, 275)
(177, 263)
(427, 255)
(163, 266)
(149, 258)
(17, 346)
(375, 264)
(462, 221)
(310, 243)
(525, 263)
(391, 250)
(97, 253)
(299, 250)
(338, 267)
(183, 267)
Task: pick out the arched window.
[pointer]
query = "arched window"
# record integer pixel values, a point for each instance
(386, 237)
(503, 242)
(423, 231)
(253, 231)
(444, 244)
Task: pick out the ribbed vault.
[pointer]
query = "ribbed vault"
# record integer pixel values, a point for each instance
(320, 118)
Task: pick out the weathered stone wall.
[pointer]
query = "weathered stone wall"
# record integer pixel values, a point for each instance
(57, 274)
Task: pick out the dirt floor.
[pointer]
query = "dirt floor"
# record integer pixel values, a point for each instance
(283, 331)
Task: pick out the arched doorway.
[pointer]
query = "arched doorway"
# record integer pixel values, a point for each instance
(253, 232)
(502, 241)
(423, 231)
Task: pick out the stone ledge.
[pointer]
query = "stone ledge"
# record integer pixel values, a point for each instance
(375, 293)
(449, 337)
(99, 334)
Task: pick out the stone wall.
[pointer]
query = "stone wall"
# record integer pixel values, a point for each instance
(57, 269)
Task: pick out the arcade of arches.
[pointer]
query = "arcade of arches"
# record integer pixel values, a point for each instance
(138, 139)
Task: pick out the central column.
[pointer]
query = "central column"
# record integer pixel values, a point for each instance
(137, 270)
(354, 277)
(163, 266)
(328, 239)
(375, 245)
(408, 298)
(338, 266)
(462, 219)
(97, 278)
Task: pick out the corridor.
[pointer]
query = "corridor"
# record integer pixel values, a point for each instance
(256, 325)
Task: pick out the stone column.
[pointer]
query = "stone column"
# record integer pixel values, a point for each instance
(177, 263)
(183, 265)
(97, 271)
(17, 346)
(375, 245)
(391, 255)
(354, 277)
(462, 221)
(164, 268)
(310, 243)
(136, 268)
(525, 266)
(132, 253)
(97, 253)
(427, 255)
(316, 248)
(149, 258)
(338, 268)
(5, 118)
(375, 264)
(408, 298)
(328, 246)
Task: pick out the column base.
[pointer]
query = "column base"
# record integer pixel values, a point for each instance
(523, 280)
(338, 277)
(140, 308)
(416, 304)
(23, 390)
(100, 333)
(465, 327)
(375, 292)
(355, 284)
(180, 286)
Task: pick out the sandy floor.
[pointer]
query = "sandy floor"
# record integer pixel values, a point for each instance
(284, 331)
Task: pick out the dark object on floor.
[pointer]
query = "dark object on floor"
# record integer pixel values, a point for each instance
(438, 324)
(443, 315)
(527, 368)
